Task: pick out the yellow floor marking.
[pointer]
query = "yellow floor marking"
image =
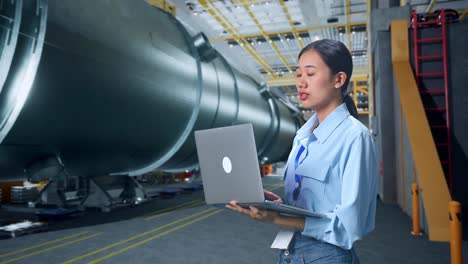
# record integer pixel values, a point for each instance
(274, 186)
(49, 249)
(172, 209)
(40, 245)
(135, 237)
(153, 238)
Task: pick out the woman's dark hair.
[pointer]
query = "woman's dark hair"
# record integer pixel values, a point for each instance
(338, 58)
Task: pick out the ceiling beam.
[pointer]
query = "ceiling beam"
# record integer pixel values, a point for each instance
(217, 14)
(281, 81)
(291, 23)
(265, 35)
(291, 79)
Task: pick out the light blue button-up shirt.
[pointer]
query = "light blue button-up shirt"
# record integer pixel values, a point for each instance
(339, 178)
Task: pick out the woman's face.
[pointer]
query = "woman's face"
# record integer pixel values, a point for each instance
(315, 82)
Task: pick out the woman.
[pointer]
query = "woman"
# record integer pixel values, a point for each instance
(332, 167)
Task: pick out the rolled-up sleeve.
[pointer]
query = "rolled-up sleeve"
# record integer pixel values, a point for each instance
(354, 217)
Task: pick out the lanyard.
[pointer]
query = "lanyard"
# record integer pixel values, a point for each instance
(297, 178)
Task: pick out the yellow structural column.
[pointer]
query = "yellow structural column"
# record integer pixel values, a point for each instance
(348, 23)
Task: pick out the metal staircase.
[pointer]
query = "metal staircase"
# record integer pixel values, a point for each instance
(431, 70)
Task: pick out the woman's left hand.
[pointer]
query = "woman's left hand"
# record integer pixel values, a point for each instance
(254, 213)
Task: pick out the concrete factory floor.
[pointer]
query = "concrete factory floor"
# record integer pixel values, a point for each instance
(185, 230)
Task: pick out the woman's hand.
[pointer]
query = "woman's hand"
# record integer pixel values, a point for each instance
(272, 197)
(269, 216)
(254, 213)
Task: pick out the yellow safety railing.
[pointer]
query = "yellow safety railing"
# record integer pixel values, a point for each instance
(360, 86)
(434, 190)
(291, 79)
(281, 81)
(253, 35)
(164, 5)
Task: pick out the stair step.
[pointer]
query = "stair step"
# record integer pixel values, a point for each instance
(430, 74)
(427, 40)
(436, 109)
(430, 57)
(427, 23)
(439, 91)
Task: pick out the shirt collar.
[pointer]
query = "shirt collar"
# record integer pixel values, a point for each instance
(331, 122)
(306, 130)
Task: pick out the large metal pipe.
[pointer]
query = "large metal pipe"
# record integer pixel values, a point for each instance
(119, 90)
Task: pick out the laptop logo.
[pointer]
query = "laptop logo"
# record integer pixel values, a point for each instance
(227, 165)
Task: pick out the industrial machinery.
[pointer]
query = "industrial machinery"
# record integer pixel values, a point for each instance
(117, 88)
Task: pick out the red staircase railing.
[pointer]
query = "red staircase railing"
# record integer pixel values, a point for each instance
(443, 144)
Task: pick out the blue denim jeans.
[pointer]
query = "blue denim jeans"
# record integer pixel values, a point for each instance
(304, 250)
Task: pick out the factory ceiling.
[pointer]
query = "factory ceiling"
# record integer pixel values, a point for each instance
(263, 37)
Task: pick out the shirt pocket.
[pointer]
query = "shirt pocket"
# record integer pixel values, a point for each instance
(314, 180)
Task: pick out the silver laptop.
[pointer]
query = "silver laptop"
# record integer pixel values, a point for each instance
(230, 169)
